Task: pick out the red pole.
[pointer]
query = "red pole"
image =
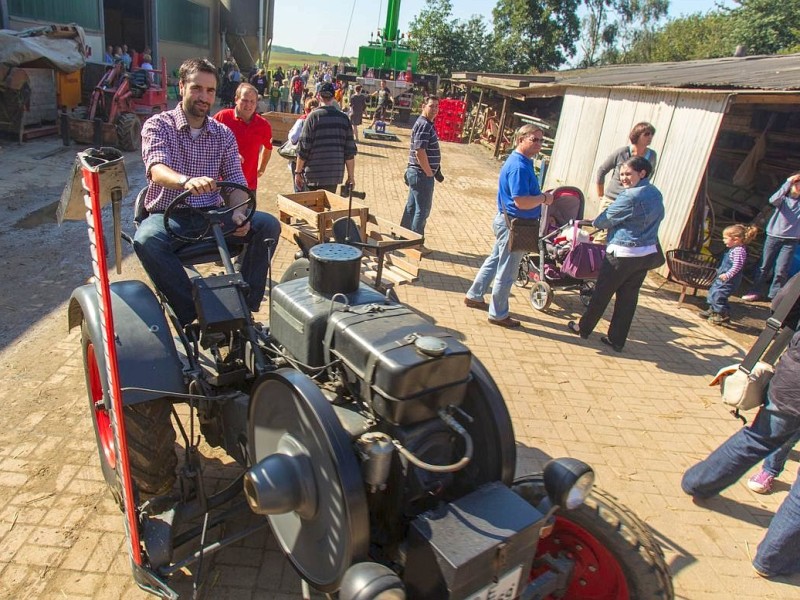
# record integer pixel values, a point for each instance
(94, 217)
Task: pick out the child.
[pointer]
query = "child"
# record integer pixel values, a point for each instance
(275, 98)
(284, 89)
(729, 273)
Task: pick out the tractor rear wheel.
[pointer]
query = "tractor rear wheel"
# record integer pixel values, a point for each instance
(615, 554)
(129, 132)
(150, 434)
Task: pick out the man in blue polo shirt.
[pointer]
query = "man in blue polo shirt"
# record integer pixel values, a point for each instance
(424, 159)
(521, 196)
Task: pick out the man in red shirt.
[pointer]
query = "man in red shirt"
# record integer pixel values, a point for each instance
(253, 133)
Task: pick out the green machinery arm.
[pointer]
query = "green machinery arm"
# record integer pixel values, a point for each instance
(392, 31)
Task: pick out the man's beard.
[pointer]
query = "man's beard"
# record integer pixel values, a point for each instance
(195, 110)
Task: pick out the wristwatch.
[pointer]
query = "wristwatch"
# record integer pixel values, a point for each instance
(183, 181)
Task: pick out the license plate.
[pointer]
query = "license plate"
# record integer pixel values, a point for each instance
(504, 589)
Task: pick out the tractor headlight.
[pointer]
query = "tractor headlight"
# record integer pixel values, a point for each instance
(568, 481)
(371, 581)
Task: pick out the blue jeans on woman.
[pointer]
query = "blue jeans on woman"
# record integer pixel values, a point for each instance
(500, 266)
(776, 261)
(779, 551)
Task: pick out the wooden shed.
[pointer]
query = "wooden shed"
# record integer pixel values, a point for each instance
(727, 134)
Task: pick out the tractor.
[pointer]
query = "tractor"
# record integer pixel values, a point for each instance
(377, 447)
(119, 104)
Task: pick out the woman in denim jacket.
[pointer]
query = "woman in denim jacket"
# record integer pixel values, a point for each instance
(632, 221)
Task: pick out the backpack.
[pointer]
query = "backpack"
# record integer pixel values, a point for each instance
(297, 86)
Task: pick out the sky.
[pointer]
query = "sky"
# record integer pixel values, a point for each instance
(321, 26)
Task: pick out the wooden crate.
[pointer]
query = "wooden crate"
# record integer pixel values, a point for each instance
(313, 214)
(391, 253)
(396, 247)
(281, 123)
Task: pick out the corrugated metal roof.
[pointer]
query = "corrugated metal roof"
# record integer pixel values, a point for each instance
(770, 72)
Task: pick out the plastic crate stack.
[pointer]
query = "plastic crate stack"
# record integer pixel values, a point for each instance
(449, 122)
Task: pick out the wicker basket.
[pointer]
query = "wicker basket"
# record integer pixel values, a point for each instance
(691, 270)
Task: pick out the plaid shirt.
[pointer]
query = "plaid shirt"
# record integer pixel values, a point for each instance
(167, 139)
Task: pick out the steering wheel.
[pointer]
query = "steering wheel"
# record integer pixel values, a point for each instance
(210, 217)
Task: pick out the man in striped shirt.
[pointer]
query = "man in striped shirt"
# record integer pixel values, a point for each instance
(184, 150)
(424, 159)
(326, 147)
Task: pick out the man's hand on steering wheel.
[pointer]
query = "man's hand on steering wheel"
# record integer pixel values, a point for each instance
(239, 210)
(200, 185)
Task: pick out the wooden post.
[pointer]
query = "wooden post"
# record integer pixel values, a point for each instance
(501, 127)
(476, 119)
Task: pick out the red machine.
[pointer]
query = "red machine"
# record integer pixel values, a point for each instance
(120, 103)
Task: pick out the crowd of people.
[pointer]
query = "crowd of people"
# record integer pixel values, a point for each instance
(130, 58)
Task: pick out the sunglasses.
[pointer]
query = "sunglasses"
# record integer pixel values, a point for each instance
(538, 140)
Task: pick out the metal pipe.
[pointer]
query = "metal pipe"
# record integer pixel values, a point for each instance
(260, 31)
(212, 548)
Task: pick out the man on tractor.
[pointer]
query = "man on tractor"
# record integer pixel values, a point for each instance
(185, 150)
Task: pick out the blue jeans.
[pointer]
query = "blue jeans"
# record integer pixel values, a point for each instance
(297, 104)
(156, 251)
(420, 200)
(779, 551)
(500, 266)
(777, 460)
(775, 262)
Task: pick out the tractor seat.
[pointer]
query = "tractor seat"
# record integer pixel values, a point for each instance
(189, 254)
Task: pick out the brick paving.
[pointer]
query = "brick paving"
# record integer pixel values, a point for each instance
(640, 418)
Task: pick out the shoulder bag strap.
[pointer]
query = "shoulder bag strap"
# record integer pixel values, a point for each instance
(505, 212)
(772, 328)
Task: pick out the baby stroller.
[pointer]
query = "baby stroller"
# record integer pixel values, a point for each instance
(559, 236)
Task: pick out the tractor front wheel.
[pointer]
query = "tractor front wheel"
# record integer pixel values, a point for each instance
(615, 555)
(129, 132)
(150, 434)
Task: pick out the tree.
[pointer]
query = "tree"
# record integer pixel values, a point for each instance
(688, 38)
(446, 44)
(598, 31)
(534, 35)
(760, 26)
(765, 26)
(472, 47)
